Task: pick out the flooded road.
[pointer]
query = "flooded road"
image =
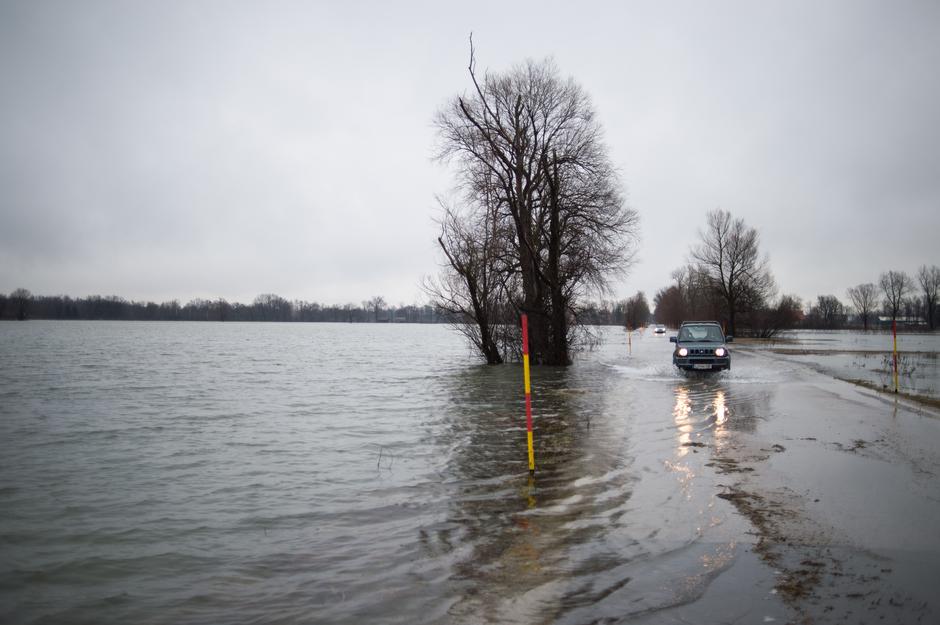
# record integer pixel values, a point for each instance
(269, 473)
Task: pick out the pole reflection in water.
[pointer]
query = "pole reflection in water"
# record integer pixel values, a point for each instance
(516, 538)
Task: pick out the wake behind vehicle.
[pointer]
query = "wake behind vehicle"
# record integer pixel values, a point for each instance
(701, 346)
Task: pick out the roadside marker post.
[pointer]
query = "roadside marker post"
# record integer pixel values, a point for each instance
(528, 391)
(630, 339)
(894, 331)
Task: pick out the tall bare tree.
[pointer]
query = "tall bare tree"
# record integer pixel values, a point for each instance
(729, 257)
(864, 298)
(895, 285)
(528, 143)
(929, 280)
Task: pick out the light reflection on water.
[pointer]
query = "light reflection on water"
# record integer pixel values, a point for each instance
(239, 472)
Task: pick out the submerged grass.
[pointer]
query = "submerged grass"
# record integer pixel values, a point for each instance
(925, 400)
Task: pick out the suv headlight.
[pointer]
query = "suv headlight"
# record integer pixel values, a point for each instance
(683, 351)
(720, 352)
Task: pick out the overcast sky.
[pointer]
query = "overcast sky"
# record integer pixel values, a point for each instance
(161, 150)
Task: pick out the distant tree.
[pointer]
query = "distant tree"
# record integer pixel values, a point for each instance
(828, 311)
(377, 304)
(864, 298)
(729, 259)
(929, 280)
(637, 310)
(913, 308)
(670, 306)
(768, 321)
(895, 285)
(701, 300)
(271, 307)
(21, 299)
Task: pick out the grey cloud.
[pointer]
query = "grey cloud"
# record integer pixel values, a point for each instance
(215, 148)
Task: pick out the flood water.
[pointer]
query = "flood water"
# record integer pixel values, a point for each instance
(868, 357)
(318, 473)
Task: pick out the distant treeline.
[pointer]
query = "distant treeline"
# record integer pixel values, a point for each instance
(21, 304)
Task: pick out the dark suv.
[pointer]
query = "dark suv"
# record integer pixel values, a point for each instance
(700, 345)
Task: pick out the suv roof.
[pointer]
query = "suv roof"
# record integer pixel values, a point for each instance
(698, 323)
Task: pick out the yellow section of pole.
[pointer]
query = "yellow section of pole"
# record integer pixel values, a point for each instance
(525, 369)
(531, 452)
(528, 391)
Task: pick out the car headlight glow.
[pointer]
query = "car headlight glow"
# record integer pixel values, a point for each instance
(683, 351)
(720, 352)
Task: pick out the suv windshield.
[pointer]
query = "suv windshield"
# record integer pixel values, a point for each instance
(701, 334)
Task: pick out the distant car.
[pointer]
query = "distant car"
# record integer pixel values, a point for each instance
(701, 346)
(659, 329)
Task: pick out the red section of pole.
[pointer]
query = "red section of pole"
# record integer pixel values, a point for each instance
(525, 335)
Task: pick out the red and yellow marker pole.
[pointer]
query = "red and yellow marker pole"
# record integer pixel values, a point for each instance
(894, 331)
(528, 390)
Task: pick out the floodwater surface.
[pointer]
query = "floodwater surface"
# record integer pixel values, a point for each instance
(317, 473)
(868, 358)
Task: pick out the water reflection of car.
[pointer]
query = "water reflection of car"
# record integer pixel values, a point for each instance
(701, 346)
(659, 329)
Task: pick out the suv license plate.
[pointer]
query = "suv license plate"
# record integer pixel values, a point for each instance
(701, 366)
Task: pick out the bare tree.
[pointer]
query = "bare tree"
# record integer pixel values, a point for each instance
(474, 284)
(929, 280)
(913, 308)
(377, 304)
(828, 312)
(864, 298)
(636, 310)
(529, 148)
(21, 299)
(700, 299)
(767, 321)
(895, 285)
(670, 306)
(728, 256)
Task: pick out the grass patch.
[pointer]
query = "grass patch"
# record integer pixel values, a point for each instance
(925, 400)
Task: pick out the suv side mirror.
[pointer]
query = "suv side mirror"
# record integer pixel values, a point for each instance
(729, 339)
(672, 339)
